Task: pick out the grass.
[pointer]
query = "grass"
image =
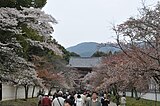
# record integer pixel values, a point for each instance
(141, 102)
(20, 102)
(34, 101)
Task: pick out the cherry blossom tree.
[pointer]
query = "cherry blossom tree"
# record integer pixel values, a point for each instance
(21, 31)
(138, 38)
(14, 69)
(119, 73)
(140, 35)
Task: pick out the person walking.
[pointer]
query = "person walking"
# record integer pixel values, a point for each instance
(46, 101)
(79, 101)
(105, 100)
(68, 102)
(58, 101)
(88, 98)
(123, 100)
(94, 101)
(83, 96)
(40, 96)
(72, 99)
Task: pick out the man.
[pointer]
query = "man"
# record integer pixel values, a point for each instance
(94, 101)
(58, 101)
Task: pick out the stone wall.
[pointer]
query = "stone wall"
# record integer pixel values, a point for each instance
(148, 96)
(8, 92)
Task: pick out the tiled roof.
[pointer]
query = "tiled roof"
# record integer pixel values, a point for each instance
(84, 62)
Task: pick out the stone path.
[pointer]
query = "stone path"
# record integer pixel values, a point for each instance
(112, 104)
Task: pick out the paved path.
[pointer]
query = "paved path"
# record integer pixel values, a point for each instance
(112, 104)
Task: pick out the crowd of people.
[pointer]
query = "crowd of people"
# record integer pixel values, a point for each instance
(76, 99)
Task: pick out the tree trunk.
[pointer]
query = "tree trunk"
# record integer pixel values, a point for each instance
(155, 95)
(16, 93)
(49, 93)
(33, 91)
(158, 87)
(132, 93)
(136, 93)
(26, 91)
(115, 91)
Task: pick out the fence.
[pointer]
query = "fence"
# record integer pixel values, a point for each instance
(8, 92)
(148, 96)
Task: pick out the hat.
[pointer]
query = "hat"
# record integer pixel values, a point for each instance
(46, 94)
(60, 92)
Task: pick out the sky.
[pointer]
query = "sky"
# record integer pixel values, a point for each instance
(90, 20)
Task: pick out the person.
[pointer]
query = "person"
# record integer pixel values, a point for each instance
(46, 100)
(109, 96)
(79, 101)
(123, 100)
(88, 98)
(68, 102)
(71, 97)
(40, 96)
(105, 101)
(58, 101)
(83, 96)
(94, 101)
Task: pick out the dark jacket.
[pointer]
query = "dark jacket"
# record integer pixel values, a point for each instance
(105, 102)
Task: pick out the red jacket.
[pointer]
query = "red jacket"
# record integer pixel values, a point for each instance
(46, 101)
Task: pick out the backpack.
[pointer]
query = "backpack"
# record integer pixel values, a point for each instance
(46, 102)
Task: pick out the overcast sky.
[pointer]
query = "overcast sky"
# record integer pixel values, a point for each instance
(90, 20)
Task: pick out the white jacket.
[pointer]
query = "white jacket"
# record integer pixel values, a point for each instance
(56, 103)
(123, 100)
(79, 102)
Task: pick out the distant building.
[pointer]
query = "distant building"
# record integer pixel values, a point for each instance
(84, 64)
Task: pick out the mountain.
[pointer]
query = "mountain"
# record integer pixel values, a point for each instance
(87, 49)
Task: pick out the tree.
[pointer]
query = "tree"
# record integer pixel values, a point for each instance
(24, 32)
(14, 69)
(73, 54)
(143, 40)
(119, 73)
(23, 3)
(98, 54)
